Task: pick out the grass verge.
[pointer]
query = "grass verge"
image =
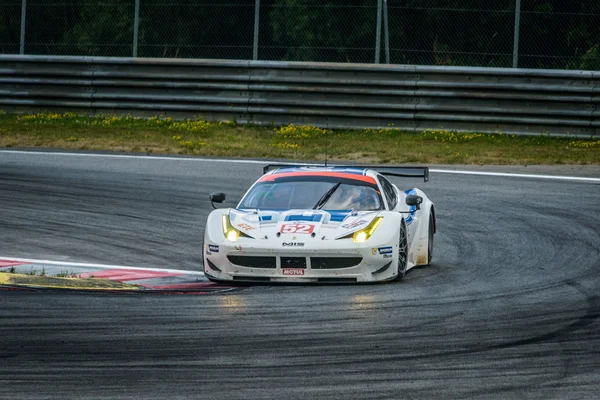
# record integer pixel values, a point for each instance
(164, 135)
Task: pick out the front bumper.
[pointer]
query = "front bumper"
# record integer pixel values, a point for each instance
(247, 262)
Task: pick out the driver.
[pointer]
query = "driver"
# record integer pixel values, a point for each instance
(364, 199)
(278, 196)
(351, 197)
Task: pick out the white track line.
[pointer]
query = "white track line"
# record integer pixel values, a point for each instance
(259, 162)
(512, 175)
(126, 156)
(101, 266)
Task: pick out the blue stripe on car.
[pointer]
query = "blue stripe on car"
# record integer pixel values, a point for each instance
(300, 217)
(338, 216)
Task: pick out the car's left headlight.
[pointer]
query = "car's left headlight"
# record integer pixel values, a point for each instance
(229, 231)
(364, 234)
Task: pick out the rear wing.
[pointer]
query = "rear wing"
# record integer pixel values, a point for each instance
(389, 170)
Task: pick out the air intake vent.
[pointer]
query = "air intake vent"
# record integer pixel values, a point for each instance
(293, 262)
(254, 261)
(334, 262)
(212, 266)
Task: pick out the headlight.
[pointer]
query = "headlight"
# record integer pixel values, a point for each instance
(364, 234)
(229, 231)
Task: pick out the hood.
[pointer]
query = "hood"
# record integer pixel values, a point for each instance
(295, 223)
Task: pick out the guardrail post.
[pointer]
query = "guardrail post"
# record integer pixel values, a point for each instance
(517, 27)
(23, 18)
(256, 26)
(386, 29)
(136, 27)
(378, 39)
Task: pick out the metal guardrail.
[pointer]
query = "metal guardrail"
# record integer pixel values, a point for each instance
(514, 101)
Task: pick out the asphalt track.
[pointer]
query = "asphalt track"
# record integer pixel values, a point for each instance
(509, 309)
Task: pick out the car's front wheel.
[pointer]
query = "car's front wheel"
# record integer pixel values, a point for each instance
(430, 240)
(402, 253)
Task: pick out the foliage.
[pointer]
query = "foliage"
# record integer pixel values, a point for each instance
(554, 33)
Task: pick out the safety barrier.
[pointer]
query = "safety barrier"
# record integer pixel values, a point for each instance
(514, 101)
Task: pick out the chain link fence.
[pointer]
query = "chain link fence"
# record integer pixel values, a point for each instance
(466, 32)
(563, 34)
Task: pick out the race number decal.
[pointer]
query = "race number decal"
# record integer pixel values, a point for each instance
(305, 229)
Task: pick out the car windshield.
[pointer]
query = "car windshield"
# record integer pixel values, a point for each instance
(306, 194)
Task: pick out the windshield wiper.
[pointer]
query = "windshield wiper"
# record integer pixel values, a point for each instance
(326, 196)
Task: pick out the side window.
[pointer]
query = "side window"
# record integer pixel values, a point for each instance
(390, 194)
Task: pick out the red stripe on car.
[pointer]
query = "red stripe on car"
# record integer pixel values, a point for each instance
(272, 177)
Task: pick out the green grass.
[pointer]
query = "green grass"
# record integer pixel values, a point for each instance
(163, 135)
(66, 274)
(34, 272)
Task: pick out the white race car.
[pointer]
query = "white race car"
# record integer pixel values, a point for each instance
(321, 224)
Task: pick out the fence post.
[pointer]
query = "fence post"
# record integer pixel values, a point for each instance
(256, 25)
(136, 27)
(386, 29)
(23, 18)
(517, 27)
(378, 39)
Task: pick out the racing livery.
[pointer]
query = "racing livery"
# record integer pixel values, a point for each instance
(321, 224)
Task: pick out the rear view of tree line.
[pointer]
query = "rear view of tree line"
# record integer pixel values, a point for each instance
(554, 33)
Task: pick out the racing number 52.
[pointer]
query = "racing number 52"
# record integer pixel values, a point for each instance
(306, 229)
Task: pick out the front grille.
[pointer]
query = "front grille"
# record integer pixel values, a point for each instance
(254, 261)
(334, 262)
(293, 262)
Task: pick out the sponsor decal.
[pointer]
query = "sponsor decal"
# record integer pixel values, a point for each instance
(213, 247)
(387, 256)
(382, 250)
(385, 250)
(292, 244)
(303, 229)
(292, 271)
(246, 227)
(355, 224)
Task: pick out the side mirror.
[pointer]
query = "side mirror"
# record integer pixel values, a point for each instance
(414, 200)
(217, 198)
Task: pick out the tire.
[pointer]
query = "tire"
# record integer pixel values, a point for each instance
(431, 233)
(402, 253)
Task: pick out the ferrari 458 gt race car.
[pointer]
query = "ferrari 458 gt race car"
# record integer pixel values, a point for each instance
(321, 224)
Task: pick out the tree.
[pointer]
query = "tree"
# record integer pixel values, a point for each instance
(326, 30)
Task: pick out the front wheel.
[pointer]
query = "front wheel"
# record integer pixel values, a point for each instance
(402, 253)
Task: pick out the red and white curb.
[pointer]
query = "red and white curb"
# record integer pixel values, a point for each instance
(149, 279)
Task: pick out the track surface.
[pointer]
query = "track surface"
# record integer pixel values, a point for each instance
(508, 310)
